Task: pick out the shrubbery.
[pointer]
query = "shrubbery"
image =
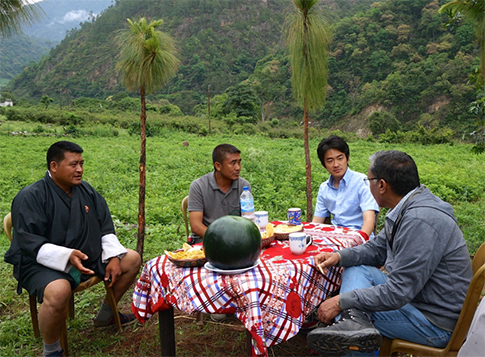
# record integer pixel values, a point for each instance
(80, 121)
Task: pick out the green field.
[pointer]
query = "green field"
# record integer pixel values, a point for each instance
(275, 169)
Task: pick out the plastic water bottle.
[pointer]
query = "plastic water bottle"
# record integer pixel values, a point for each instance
(247, 204)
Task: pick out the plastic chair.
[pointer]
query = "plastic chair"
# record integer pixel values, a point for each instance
(389, 346)
(7, 227)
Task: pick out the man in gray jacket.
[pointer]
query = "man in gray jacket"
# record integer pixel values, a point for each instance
(426, 259)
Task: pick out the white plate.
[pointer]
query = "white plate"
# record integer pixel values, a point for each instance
(210, 267)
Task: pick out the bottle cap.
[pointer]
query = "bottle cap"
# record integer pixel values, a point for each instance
(245, 188)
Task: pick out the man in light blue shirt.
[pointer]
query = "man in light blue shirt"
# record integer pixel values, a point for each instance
(345, 196)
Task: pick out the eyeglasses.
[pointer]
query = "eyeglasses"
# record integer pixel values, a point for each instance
(371, 178)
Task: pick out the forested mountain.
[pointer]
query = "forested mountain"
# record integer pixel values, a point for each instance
(393, 56)
(17, 52)
(59, 16)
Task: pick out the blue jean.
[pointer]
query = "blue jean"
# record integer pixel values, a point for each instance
(406, 323)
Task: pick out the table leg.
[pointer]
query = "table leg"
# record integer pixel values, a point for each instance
(249, 345)
(167, 332)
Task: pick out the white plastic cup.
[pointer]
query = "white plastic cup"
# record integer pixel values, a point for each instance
(261, 219)
(299, 241)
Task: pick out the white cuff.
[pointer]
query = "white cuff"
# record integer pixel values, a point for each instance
(55, 257)
(111, 247)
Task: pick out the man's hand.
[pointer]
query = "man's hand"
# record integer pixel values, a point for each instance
(76, 259)
(328, 310)
(325, 260)
(113, 271)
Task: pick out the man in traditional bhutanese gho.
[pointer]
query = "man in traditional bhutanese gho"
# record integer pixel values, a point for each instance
(63, 234)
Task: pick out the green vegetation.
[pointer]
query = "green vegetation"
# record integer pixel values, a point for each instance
(17, 53)
(275, 168)
(390, 55)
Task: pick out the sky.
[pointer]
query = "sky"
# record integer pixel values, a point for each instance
(62, 16)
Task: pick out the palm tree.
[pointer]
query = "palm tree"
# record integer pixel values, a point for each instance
(148, 59)
(13, 13)
(308, 37)
(474, 11)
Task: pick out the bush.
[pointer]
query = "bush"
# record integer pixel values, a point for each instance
(381, 122)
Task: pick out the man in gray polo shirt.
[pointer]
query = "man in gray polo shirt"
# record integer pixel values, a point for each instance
(217, 193)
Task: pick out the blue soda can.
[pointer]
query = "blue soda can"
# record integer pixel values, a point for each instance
(294, 216)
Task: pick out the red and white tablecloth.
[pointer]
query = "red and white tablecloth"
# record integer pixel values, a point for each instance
(271, 300)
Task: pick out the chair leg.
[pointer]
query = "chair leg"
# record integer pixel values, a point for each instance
(385, 350)
(33, 315)
(200, 318)
(71, 306)
(113, 304)
(64, 344)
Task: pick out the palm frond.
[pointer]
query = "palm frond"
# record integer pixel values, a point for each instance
(14, 13)
(148, 57)
(308, 38)
(473, 10)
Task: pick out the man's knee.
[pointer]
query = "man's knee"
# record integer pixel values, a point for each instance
(57, 294)
(355, 271)
(131, 262)
(361, 276)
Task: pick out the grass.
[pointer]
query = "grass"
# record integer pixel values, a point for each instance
(276, 171)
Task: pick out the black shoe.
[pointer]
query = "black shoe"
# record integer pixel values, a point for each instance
(125, 319)
(311, 322)
(56, 354)
(354, 332)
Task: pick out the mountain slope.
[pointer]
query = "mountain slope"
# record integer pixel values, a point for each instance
(17, 52)
(394, 55)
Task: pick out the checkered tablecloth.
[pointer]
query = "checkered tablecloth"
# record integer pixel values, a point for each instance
(271, 300)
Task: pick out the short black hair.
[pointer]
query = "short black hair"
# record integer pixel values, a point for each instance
(397, 168)
(332, 142)
(220, 151)
(57, 150)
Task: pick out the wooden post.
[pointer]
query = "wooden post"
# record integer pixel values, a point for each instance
(141, 196)
(209, 106)
(67, 90)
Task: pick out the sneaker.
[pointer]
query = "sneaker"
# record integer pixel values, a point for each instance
(55, 354)
(354, 332)
(124, 319)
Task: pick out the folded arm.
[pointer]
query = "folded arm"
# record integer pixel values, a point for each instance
(196, 224)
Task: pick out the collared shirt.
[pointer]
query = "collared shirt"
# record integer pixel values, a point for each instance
(206, 196)
(392, 214)
(347, 202)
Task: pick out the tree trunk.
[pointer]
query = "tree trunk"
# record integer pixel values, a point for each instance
(308, 167)
(209, 106)
(141, 201)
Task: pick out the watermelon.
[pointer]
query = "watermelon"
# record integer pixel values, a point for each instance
(232, 242)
